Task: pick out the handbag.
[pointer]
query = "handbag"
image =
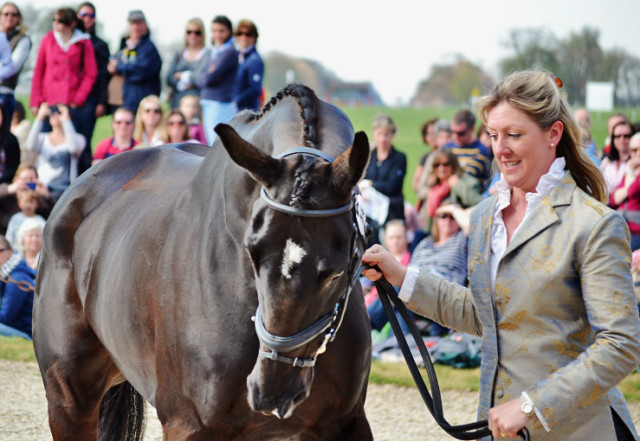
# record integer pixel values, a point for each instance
(114, 90)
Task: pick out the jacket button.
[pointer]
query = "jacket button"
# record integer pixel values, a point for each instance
(500, 394)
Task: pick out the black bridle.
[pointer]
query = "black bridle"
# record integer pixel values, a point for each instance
(330, 322)
(479, 429)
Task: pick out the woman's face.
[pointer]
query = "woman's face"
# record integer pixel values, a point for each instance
(32, 241)
(219, 34)
(395, 239)
(447, 226)
(151, 115)
(244, 39)
(9, 17)
(189, 107)
(442, 168)
(176, 128)
(382, 138)
(194, 35)
(523, 150)
(621, 136)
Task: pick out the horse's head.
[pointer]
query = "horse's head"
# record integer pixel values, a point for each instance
(304, 241)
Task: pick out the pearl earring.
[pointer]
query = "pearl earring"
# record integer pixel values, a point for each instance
(551, 144)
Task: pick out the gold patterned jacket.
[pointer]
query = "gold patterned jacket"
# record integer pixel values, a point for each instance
(563, 324)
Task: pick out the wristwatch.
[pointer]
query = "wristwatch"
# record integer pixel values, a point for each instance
(527, 407)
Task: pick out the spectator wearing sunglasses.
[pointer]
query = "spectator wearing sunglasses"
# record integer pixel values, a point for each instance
(614, 164)
(178, 128)
(96, 104)
(20, 45)
(188, 60)
(474, 157)
(626, 197)
(447, 180)
(150, 130)
(122, 138)
(217, 78)
(251, 70)
(138, 61)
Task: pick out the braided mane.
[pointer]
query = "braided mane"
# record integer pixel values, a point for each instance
(307, 101)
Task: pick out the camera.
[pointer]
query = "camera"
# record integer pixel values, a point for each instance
(54, 109)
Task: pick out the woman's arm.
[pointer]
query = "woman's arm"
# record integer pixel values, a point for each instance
(35, 138)
(21, 52)
(610, 305)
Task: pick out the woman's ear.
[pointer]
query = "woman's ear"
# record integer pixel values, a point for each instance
(555, 133)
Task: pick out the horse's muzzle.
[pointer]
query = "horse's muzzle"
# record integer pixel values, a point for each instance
(277, 389)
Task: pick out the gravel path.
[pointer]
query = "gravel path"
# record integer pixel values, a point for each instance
(395, 413)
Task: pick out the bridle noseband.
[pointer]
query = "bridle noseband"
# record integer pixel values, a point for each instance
(330, 322)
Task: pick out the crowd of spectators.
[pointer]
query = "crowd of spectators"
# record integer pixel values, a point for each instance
(458, 171)
(76, 80)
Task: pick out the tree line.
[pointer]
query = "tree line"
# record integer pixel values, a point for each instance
(576, 59)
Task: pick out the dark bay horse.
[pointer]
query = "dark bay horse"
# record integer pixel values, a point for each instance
(155, 261)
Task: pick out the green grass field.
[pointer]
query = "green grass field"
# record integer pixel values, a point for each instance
(408, 137)
(18, 349)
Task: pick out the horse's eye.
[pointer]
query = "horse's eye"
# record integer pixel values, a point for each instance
(336, 276)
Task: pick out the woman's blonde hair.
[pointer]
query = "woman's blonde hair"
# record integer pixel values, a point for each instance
(538, 96)
(161, 130)
(200, 24)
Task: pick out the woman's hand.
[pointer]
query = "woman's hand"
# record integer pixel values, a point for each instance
(507, 419)
(392, 270)
(113, 64)
(64, 112)
(43, 111)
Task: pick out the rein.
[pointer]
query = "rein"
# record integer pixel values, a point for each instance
(330, 322)
(471, 431)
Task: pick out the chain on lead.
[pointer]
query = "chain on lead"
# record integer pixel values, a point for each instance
(23, 285)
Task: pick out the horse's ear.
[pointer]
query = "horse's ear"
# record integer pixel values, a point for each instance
(263, 168)
(349, 167)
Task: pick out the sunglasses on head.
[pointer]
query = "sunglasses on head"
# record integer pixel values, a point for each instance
(154, 110)
(88, 14)
(624, 135)
(197, 32)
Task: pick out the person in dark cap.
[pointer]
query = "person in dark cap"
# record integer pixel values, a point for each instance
(138, 61)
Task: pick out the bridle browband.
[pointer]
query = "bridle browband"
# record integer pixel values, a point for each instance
(330, 322)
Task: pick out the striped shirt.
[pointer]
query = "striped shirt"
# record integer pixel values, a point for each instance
(474, 159)
(448, 260)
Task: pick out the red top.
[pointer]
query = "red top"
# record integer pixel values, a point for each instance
(105, 148)
(632, 203)
(63, 77)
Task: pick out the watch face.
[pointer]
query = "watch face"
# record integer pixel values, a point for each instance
(527, 408)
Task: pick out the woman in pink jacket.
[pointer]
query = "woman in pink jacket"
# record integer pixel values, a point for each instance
(65, 69)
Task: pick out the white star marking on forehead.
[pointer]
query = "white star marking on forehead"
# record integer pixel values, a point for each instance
(292, 256)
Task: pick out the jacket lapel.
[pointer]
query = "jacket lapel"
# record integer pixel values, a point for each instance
(544, 214)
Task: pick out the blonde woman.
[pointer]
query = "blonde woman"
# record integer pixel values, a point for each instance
(187, 61)
(150, 130)
(550, 288)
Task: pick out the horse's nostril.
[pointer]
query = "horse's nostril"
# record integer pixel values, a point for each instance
(302, 395)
